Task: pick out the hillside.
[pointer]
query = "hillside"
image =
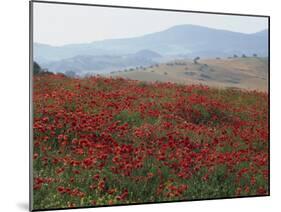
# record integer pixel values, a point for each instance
(188, 40)
(244, 73)
(89, 64)
(100, 141)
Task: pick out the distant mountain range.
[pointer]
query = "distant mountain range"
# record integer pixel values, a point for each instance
(181, 40)
(83, 64)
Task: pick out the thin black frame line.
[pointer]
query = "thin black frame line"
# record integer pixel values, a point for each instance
(268, 94)
(31, 60)
(128, 7)
(147, 8)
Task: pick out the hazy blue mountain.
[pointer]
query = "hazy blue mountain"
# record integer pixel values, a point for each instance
(82, 64)
(46, 53)
(188, 40)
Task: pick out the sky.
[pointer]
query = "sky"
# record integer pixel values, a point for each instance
(59, 24)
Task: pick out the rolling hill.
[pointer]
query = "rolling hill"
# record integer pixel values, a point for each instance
(244, 73)
(184, 40)
(89, 64)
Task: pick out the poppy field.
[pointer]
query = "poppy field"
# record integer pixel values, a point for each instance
(108, 141)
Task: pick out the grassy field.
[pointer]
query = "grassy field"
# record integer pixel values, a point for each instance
(104, 141)
(249, 73)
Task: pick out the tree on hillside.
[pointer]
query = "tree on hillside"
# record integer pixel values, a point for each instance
(255, 55)
(235, 56)
(36, 68)
(195, 60)
(244, 56)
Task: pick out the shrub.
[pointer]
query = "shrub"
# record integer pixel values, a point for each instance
(195, 60)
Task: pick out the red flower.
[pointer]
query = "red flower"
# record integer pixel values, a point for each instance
(35, 156)
(124, 195)
(60, 189)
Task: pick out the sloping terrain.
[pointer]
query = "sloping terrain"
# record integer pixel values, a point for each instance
(244, 73)
(101, 141)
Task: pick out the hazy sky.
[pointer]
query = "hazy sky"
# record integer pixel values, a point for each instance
(58, 24)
